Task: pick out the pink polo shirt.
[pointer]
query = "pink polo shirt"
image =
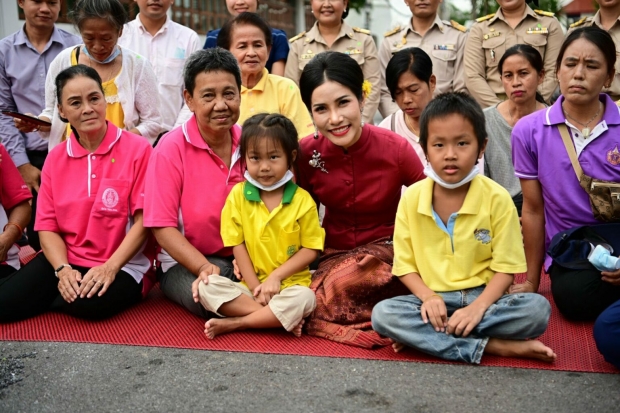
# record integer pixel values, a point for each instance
(13, 191)
(186, 188)
(90, 198)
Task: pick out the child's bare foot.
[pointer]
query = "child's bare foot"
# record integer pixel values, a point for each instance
(216, 326)
(397, 347)
(533, 349)
(297, 330)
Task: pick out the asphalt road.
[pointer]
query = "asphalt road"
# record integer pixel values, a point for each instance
(63, 377)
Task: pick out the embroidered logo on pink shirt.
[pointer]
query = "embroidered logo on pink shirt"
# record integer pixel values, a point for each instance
(109, 198)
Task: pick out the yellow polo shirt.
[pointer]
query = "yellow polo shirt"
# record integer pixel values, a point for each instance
(276, 94)
(272, 237)
(486, 237)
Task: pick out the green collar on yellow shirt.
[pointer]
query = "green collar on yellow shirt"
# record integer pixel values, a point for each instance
(252, 193)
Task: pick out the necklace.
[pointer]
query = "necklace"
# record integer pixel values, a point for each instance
(586, 130)
(410, 126)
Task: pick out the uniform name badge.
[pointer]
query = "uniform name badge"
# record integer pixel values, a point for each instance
(492, 35)
(537, 30)
(352, 50)
(443, 47)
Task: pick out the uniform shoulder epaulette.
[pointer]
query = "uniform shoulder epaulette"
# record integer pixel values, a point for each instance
(393, 31)
(544, 13)
(458, 26)
(299, 36)
(483, 18)
(578, 23)
(360, 30)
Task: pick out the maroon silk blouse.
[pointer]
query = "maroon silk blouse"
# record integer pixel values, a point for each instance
(362, 188)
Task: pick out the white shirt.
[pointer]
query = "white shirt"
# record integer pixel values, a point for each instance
(167, 52)
(136, 92)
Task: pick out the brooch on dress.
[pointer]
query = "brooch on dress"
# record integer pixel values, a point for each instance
(317, 162)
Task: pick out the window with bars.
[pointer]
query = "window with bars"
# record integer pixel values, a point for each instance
(205, 15)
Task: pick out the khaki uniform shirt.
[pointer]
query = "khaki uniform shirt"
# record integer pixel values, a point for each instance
(614, 90)
(445, 45)
(489, 38)
(355, 42)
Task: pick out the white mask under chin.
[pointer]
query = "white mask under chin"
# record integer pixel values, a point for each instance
(428, 171)
(287, 177)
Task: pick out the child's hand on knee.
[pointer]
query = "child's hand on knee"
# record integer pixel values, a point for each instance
(434, 310)
(464, 320)
(269, 288)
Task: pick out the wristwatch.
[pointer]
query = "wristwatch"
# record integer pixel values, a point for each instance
(57, 270)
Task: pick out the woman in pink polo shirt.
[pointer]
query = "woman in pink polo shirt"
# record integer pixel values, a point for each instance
(191, 172)
(14, 213)
(89, 215)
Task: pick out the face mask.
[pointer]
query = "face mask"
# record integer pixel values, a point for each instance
(287, 177)
(114, 55)
(428, 171)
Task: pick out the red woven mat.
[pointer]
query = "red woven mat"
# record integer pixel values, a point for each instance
(159, 323)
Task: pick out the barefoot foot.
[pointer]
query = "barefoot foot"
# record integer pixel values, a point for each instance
(532, 349)
(216, 326)
(398, 347)
(297, 329)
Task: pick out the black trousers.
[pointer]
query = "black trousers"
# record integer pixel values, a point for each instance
(6, 270)
(581, 295)
(34, 290)
(37, 159)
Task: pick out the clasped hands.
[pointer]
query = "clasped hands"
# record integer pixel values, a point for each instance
(97, 280)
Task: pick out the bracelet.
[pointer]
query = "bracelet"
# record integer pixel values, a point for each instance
(431, 296)
(60, 268)
(20, 229)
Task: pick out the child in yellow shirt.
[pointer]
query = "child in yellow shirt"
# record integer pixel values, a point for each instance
(273, 227)
(457, 244)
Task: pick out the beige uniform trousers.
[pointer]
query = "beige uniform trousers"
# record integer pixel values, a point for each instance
(290, 306)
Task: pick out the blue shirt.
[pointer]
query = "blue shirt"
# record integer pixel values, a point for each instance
(449, 229)
(22, 86)
(279, 45)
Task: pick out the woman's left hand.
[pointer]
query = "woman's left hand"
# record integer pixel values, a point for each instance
(611, 277)
(97, 279)
(5, 245)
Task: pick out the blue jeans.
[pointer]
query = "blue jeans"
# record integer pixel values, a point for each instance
(607, 334)
(513, 317)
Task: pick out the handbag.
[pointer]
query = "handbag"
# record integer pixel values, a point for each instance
(604, 195)
(570, 248)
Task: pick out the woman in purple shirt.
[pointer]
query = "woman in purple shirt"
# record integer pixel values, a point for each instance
(553, 201)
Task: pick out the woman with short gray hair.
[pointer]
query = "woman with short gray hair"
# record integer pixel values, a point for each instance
(191, 172)
(128, 79)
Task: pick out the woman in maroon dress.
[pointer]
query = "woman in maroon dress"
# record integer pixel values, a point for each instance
(356, 171)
